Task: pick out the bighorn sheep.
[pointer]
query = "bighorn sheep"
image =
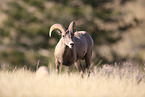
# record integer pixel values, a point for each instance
(73, 46)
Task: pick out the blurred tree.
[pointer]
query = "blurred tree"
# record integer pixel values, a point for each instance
(117, 28)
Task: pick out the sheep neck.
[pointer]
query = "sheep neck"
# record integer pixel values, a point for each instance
(68, 56)
(64, 54)
(67, 53)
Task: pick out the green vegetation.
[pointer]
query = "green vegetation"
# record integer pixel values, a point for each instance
(117, 28)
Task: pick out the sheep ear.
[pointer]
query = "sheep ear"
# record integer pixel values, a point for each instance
(72, 27)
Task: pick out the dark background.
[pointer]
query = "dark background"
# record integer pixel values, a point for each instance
(116, 26)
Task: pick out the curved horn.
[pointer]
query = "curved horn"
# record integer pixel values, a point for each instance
(72, 26)
(56, 26)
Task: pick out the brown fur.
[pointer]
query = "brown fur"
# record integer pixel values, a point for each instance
(73, 46)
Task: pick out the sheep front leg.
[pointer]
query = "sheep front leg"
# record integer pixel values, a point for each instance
(79, 67)
(57, 66)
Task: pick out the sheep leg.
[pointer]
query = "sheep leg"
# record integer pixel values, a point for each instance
(70, 68)
(57, 66)
(82, 70)
(87, 64)
(79, 67)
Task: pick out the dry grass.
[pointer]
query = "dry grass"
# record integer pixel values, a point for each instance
(106, 82)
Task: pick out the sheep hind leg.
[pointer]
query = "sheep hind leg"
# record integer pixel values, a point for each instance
(57, 66)
(87, 64)
(70, 68)
(79, 68)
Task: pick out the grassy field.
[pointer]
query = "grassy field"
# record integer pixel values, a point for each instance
(109, 81)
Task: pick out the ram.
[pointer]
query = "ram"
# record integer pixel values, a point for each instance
(73, 46)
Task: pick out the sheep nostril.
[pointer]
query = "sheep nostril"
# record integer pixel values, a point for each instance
(72, 44)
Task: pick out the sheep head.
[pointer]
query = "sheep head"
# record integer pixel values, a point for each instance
(67, 34)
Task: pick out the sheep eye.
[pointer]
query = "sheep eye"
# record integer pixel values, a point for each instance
(63, 35)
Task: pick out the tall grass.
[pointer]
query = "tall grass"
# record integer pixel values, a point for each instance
(109, 81)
